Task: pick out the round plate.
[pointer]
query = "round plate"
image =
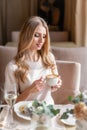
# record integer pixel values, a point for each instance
(16, 109)
(71, 121)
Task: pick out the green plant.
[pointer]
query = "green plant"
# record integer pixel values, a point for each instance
(41, 108)
(65, 115)
(77, 99)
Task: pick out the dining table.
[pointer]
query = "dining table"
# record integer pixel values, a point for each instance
(23, 124)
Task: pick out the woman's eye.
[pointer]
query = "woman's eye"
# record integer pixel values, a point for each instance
(44, 36)
(36, 35)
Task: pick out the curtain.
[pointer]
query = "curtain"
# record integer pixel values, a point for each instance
(12, 15)
(76, 21)
(0, 25)
(3, 21)
(81, 23)
(69, 20)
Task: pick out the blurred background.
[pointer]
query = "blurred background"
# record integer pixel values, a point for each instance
(65, 17)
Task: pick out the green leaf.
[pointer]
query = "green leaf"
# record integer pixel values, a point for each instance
(76, 99)
(50, 106)
(70, 98)
(35, 103)
(55, 112)
(64, 115)
(71, 111)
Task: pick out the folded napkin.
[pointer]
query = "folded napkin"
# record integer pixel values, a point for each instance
(81, 125)
(3, 113)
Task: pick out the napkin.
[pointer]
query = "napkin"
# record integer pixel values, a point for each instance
(3, 113)
(81, 124)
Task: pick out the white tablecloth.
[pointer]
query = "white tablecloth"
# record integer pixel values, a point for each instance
(23, 124)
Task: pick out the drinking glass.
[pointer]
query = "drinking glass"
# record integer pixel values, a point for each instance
(10, 95)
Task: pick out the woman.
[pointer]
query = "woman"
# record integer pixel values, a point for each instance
(33, 63)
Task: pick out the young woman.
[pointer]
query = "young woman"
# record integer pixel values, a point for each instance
(33, 62)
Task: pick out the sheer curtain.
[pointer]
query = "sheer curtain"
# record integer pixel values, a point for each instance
(76, 21)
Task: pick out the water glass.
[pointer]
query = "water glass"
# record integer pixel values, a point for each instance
(10, 96)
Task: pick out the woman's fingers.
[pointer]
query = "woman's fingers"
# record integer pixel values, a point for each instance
(59, 82)
(39, 84)
(55, 88)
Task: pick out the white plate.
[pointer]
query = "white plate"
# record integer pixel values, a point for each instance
(16, 109)
(71, 121)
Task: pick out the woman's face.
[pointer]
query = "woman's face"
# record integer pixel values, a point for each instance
(39, 38)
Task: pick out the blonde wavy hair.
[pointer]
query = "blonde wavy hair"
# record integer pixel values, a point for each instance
(25, 42)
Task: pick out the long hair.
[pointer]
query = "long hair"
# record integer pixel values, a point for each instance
(25, 42)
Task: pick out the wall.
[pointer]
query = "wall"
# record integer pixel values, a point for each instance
(16, 11)
(12, 16)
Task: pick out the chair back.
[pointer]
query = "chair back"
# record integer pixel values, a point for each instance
(6, 54)
(70, 73)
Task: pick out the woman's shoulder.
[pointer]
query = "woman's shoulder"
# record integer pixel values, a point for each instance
(51, 55)
(11, 65)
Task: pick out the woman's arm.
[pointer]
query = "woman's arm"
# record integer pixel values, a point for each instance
(37, 86)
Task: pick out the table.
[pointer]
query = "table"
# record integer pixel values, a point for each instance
(23, 124)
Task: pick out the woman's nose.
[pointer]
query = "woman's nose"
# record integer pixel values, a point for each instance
(41, 39)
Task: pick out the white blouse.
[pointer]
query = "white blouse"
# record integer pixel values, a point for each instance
(37, 70)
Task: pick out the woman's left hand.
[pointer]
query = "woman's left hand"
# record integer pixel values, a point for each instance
(55, 88)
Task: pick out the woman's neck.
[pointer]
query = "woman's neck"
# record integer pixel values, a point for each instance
(33, 56)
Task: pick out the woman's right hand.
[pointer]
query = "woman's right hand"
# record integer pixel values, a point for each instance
(38, 85)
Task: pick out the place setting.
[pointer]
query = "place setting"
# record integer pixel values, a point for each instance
(41, 115)
(38, 115)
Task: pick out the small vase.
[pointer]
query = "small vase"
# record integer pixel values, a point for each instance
(41, 122)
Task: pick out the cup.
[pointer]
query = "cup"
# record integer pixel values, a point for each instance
(52, 79)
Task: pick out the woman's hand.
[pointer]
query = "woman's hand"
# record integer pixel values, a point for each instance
(38, 85)
(55, 88)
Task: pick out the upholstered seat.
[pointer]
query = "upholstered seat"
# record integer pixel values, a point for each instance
(70, 74)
